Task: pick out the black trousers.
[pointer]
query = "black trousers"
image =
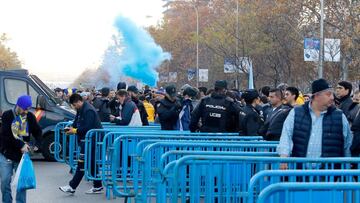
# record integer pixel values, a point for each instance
(79, 173)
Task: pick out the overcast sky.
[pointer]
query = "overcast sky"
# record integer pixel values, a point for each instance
(58, 39)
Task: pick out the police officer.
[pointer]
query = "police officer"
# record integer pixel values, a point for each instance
(253, 119)
(218, 113)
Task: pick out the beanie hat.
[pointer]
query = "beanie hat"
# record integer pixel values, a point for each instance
(133, 88)
(347, 85)
(24, 102)
(121, 86)
(319, 85)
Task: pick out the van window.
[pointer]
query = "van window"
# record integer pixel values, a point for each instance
(34, 94)
(14, 89)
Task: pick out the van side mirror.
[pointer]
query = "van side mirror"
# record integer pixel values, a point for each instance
(41, 102)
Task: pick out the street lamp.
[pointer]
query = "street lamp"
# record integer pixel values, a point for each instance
(197, 35)
(321, 55)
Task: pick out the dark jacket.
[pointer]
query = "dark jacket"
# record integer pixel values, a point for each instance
(11, 147)
(114, 107)
(86, 119)
(142, 111)
(271, 130)
(345, 104)
(355, 128)
(332, 138)
(218, 113)
(168, 112)
(266, 109)
(125, 112)
(353, 110)
(102, 106)
(253, 121)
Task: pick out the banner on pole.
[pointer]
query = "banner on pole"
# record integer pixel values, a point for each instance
(332, 50)
(172, 76)
(163, 77)
(191, 74)
(203, 75)
(311, 49)
(229, 65)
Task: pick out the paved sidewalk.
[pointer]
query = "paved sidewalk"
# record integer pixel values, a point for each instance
(51, 175)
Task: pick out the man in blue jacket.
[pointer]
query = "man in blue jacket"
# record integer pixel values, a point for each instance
(86, 119)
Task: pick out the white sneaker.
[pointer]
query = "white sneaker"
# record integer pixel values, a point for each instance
(67, 189)
(93, 190)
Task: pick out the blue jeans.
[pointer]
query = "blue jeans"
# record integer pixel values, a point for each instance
(7, 168)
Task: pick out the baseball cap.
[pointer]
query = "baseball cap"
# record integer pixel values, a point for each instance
(171, 90)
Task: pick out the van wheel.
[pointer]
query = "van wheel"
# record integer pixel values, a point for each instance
(47, 147)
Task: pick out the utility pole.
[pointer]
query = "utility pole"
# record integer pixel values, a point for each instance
(194, 5)
(237, 45)
(321, 54)
(197, 46)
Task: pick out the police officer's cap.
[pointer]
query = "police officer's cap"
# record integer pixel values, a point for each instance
(249, 95)
(190, 91)
(221, 84)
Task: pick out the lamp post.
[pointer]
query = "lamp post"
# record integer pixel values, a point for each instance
(197, 35)
(321, 55)
(237, 44)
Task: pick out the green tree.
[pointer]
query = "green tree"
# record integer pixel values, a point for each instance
(8, 58)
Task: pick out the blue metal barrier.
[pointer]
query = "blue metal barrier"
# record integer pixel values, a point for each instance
(150, 164)
(231, 185)
(58, 148)
(161, 189)
(312, 192)
(61, 143)
(265, 178)
(130, 150)
(70, 142)
(62, 150)
(130, 140)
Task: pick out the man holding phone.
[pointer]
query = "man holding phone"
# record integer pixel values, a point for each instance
(18, 125)
(86, 119)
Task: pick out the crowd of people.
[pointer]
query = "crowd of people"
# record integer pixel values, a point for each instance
(327, 117)
(278, 114)
(325, 123)
(250, 112)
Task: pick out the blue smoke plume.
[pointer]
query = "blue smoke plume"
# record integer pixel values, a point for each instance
(136, 54)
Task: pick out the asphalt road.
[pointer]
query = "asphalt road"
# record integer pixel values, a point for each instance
(51, 175)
